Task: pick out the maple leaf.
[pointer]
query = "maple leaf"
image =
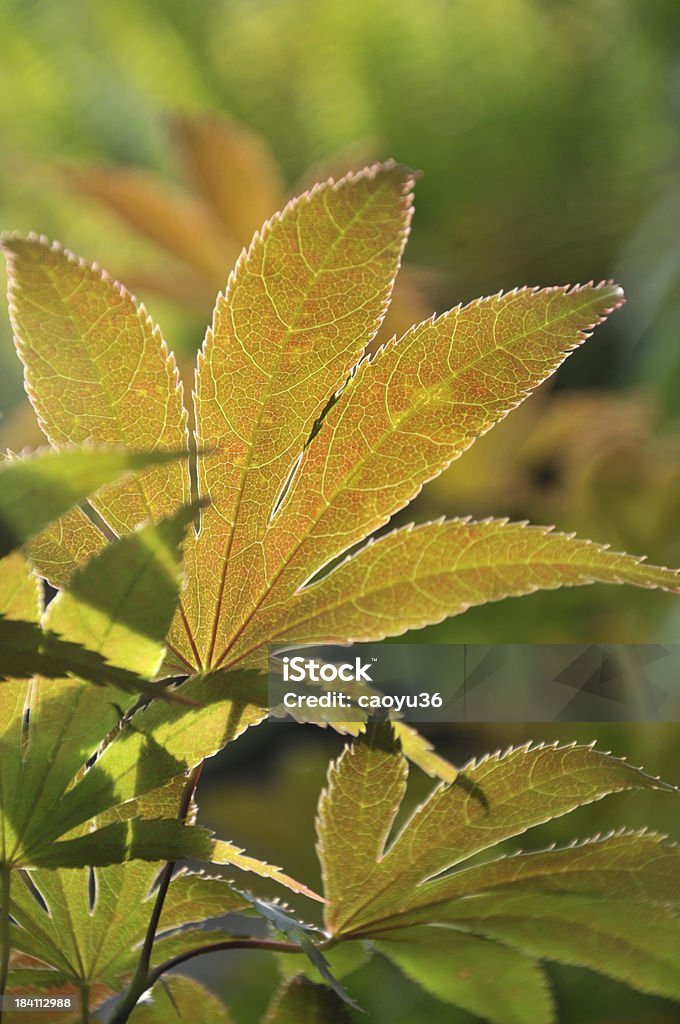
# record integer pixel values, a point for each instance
(494, 920)
(51, 726)
(305, 448)
(83, 933)
(35, 491)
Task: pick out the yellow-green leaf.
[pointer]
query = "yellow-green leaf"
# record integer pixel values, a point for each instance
(98, 945)
(415, 576)
(119, 607)
(608, 904)
(26, 650)
(97, 370)
(180, 1001)
(303, 1002)
(59, 550)
(20, 595)
(483, 977)
(299, 309)
(492, 800)
(121, 602)
(36, 490)
(634, 943)
(637, 866)
(412, 409)
(226, 853)
(357, 812)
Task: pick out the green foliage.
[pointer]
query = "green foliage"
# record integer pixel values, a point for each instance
(181, 999)
(35, 491)
(294, 482)
(471, 937)
(303, 448)
(95, 944)
(302, 1002)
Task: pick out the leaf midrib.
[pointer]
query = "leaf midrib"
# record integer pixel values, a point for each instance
(283, 349)
(393, 429)
(586, 579)
(110, 404)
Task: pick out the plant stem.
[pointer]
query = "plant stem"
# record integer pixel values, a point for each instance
(270, 945)
(141, 978)
(5, 880)
(84, 1004)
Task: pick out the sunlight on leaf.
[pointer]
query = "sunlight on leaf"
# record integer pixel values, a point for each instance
(36, 490)
(302, 1002)
(178, 1000)
(304, 448)
(569, 905)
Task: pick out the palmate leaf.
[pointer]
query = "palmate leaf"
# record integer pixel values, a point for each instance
(35, 491)
(472, 937)
(51, 727)
(96, 945)
(27, 650)
(302, 451)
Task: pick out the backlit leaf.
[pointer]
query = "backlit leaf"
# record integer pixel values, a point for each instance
(36, 490)
(178, 999)
(226, 853)
(494, 799)
(52, 726)
(365, 790)
(302, 1002)
(62, 548)
(412, 409)
(303, 450)
(99, 944)
(122, 601)
(97, 370)
(483, 977)
(465, 935)
(415, 576)
(299, 309)
(162, 742)
(587, 932)
(27, 650)
(635, 865)
(20, 595)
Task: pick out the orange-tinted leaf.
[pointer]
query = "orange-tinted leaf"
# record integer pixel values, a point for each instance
(98, 370)
(300, 307)
(232, 168)
(65, 546)
(415, 407)
(415, 576)
(173, 219)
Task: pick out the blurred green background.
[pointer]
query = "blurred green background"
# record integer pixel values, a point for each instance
(547, 134)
